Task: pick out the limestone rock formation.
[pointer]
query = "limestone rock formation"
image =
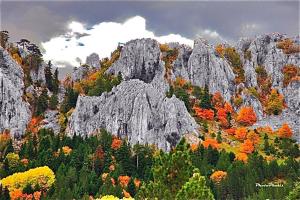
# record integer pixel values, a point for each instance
(205, 68)
(80, 72)
(136, 110)
(93, 60)
(51, 121)
(14, 112)
(39, 74)
(139, 59)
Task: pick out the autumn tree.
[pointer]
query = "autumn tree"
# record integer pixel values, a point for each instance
(242, 157)
(241, 133)
(285, 131)
(246, 116)
(218, 176)
(275, 103)
(247, 147)
(210, 142)
(201, 113)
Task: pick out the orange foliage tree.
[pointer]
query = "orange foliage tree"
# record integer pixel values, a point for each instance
(241, 133)
(246, 116)
(247, 147)
(124, 180)
(285, 131)
(253, 137)
(217, 100)
(289, 72)
(242, 157)
(230, 131)
(218, 176)
(211, 142)
(116, 143)
(220, 50)
(207, 114)
(34, 124)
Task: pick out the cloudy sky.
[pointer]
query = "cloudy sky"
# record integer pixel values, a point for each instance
(68, 31)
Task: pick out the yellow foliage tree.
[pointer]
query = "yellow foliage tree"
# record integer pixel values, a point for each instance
(275, 103)
(43, 176)
(218, 176)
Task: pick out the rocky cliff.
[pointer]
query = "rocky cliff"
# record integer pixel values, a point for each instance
(138, 108)
(14, 112)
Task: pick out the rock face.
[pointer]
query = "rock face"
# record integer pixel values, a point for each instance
(205, 68)
(291, 115)
(14, 112)
(93, 60)
(137, 108)
(265, 53)
(51, 121)
(139, 59)
(39, 74)
(80, 72)
(180, 65)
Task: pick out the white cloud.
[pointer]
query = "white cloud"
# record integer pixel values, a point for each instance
(212, 36)
(102, 38)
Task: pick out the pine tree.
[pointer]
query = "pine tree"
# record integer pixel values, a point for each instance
(55, 81)
(53, 101)
(205, 100)
(48, 76)
(42, 103)
(219, 137)
(224, 161)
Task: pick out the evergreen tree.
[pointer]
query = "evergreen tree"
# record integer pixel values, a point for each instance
(55, 81)
(205, 99)
(42, 103)
(69, 101)
(48, 76)
(219, 137)
(224, 161)
(53, 102)
(4, 193)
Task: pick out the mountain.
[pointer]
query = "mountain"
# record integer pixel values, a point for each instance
(140, 109)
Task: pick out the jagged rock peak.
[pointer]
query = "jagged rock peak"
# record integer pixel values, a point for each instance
(14, 112)
(135, 110)
(205, 68)
(93, 60)
(139, 59)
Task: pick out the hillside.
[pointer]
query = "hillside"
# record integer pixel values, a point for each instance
(153, 120)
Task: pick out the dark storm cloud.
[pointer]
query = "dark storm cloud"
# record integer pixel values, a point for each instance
(39, 21)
